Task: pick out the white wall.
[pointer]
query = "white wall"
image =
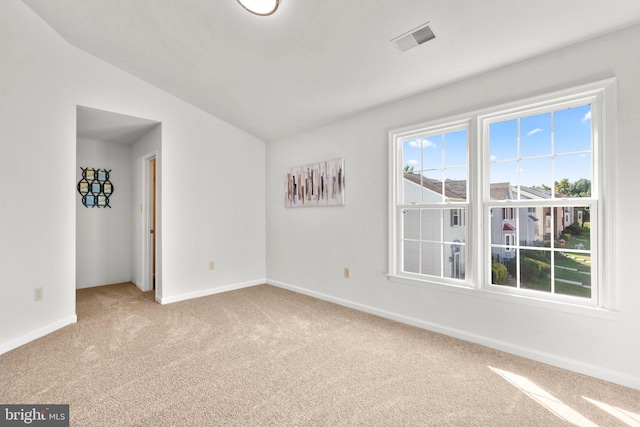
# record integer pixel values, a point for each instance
(308, 248)
(148, 145)
(42, 81)
(103, 235)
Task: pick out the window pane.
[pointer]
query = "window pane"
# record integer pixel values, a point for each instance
(432, 152)
(573, 175)
(550, 228)
(411, 224)
(572, 274)
(531, 226)
(572, 129)
(583, 214)
(535, 135)
(411, 155)
(503, 142)
(431, 224)
(431, 256)
(432, 186)
(505, 174)
(455, 229)
(536, 173)
(455, 149)
(535, 270)
(501, 224)
(411, 257)
(454, 261)
(411, 188)
(499, 272)
(456, 184)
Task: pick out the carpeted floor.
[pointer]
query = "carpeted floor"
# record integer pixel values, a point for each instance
(267, 356)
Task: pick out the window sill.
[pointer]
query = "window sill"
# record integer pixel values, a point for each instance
(544, 304)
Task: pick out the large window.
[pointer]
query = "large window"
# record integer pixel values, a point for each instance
(544, 158)
(525, 215)
(432, 202)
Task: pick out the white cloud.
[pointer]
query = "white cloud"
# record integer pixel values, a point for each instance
(413, 162)
(533, 132)
(425, 144)
(493, 159)
(586, 117)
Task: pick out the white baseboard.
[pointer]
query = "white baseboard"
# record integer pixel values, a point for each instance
(528, 353)
(212, 291)
(38, 333)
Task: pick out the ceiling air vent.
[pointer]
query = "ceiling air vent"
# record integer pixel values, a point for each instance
(414, 38)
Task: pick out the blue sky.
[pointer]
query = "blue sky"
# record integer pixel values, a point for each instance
(453, 157)
(571, 157)
(571, 145)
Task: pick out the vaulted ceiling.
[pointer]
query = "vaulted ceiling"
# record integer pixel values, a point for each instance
(315, 61)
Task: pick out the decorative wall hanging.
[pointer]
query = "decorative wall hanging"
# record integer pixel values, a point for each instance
(95, 187)
(317, 184)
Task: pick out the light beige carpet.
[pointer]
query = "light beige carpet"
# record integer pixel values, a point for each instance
(267, 356)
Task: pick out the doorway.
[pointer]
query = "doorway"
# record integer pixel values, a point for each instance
(113, 243)
(150, 196)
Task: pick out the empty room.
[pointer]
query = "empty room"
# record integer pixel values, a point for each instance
(245, 212)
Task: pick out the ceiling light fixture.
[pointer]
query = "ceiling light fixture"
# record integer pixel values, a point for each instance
(260, 7)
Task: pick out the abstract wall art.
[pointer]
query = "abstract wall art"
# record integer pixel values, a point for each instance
(317, 184)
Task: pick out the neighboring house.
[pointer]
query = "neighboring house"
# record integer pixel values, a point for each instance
(537, 226)
(563, 216)
(427, 258)
(503, 223)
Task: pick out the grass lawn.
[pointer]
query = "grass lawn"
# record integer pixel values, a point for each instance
(571, 260)
(583, 239)
(568, 289)
(577, 266)
(574, 276)
(544, 284)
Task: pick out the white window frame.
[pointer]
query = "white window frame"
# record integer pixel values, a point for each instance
(604, 301)
(397, 206)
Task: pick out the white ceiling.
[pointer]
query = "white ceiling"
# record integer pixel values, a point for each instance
(110, 127)
(315, 61)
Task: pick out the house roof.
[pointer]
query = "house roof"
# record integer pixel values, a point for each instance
(536, 193)
(500, 191)
(453, 189)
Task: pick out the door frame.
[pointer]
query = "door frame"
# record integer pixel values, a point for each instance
(147, 212)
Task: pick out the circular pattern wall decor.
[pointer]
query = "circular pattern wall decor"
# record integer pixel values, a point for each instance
(95, 187)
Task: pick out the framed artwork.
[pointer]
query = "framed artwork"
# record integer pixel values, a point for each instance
(95, 187)
(317, 184)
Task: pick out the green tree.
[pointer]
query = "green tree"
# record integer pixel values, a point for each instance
(543, 187)
(563, 187)
(586, 217)
(408, 168)
(581, 188)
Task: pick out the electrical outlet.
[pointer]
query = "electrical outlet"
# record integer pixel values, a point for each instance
(37, 294)
(347, 273)
(212, 265)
